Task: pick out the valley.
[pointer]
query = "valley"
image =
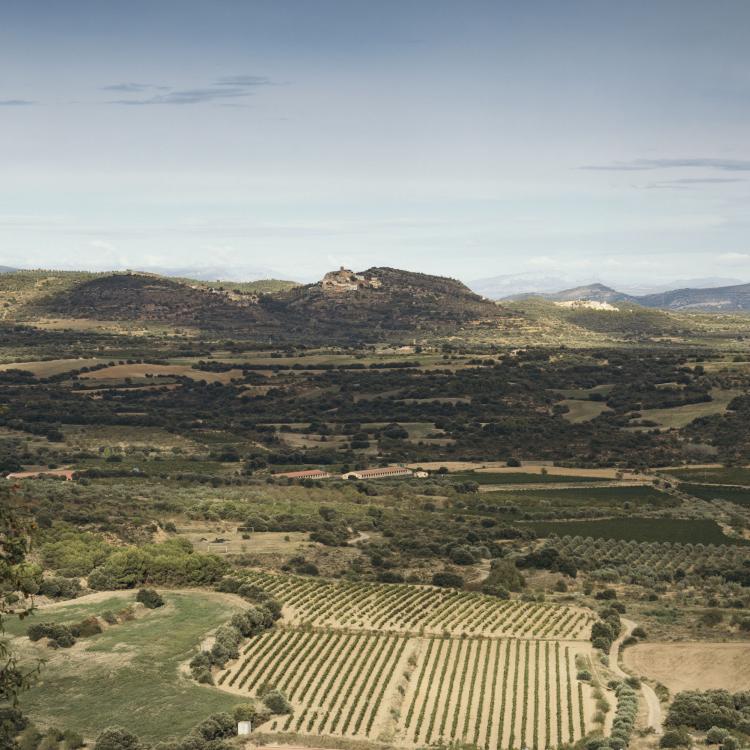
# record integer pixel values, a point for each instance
(379, 512)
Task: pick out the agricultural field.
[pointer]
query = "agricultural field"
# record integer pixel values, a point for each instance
(356, 662)
(680, 416)
(683, 531)
(551, 502)
(522, 477)
(418, 609)
(411, 690)
(692, 665)
(737, 495)
(731, 475)
(636, 561)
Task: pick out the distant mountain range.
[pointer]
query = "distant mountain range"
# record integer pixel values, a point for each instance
(734, 298)
(517, 286)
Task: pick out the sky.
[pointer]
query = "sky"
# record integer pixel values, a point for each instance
(595, 140)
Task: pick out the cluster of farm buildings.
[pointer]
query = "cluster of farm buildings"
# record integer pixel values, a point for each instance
(382, 472)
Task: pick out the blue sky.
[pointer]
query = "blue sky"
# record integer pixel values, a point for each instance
(588, 139)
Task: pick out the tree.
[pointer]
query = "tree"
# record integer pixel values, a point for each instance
(277, 702)
(14, 546)
(446, 579)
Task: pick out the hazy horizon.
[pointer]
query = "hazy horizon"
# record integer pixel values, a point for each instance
(584, 140)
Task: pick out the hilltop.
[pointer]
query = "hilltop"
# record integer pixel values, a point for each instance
(382, 302)
(379, 303)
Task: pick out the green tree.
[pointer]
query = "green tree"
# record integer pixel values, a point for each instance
(14, 602)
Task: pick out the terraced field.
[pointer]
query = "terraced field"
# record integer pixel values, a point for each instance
(412, 665)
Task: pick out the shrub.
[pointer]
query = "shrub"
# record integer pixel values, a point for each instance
(716, 735)
(60, 636)
(117, 738)
(675, 738)
(446, 579)
(149, 598)
(72, 740)
(58, 587)
(88, 627)
(606, 594)
(711, 618)
(215, 727)
(29, 739)
(277, 702)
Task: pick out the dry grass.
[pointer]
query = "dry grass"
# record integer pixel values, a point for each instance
(692, 665)
(679, 416)
(120, 372)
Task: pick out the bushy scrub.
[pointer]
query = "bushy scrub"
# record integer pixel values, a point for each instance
(605, 631)
(625, 714)
(710, 709)
(117, 738)
(58, 587)
(253, 621)
(172, 563)
(277, 702)
(59, 636)
(209, 734)
(149, 598)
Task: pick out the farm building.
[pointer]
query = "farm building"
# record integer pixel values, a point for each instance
(382, 472)
(305, 474)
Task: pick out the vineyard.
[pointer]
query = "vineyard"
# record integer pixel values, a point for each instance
(401, 664)
(418, 609)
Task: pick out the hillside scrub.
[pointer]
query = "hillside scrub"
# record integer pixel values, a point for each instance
(251, 622)
(710, 708)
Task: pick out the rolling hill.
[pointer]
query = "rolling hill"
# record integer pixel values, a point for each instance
(719, 299)
(735, 298)
(380, 303)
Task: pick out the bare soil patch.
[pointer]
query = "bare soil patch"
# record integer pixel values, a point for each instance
(692, 665)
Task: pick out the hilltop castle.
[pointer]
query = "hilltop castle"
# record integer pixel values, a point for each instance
(345, 280)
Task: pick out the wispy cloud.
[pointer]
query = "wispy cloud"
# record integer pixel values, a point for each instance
(685, 183)
(16, 102)
(222, 90)
(134, 88)
(639, 165)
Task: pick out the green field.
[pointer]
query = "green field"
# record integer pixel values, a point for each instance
(521, 478)
(586, 497)
(638, 529)
(723, 475)
(679, 416)
(129, 674)
(737, 495)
